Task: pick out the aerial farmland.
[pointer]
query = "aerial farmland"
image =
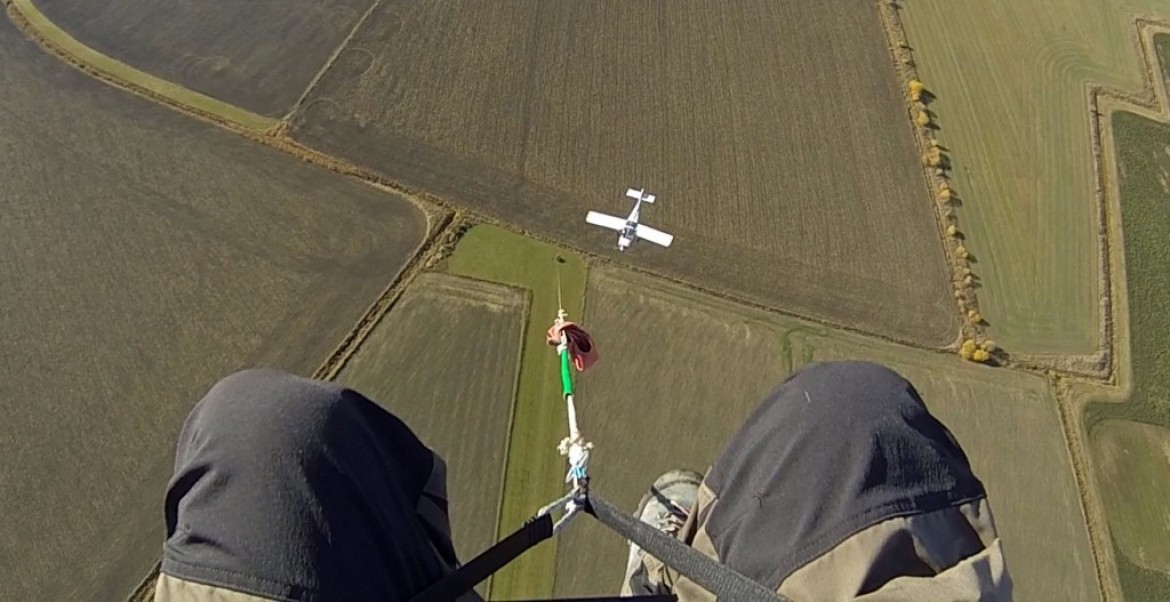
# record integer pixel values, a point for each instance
(259, 56)
(392, 195)
(120, 217)
(755, 138)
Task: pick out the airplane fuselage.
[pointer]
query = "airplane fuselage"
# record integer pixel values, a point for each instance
(630, 233)
(631, 229)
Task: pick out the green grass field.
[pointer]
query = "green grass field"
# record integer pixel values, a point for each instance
(1144, 167)
(1135, 463)
(534, 471)
(1143, 154)
(680, 370)
(1012, 108)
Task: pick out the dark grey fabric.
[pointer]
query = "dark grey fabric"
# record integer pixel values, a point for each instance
(836, 448)
(300, 490)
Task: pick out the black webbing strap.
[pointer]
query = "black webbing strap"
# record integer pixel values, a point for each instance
(725, 583)
(466, 577)
(716, 578)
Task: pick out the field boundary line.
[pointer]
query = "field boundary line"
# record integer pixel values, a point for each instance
(284, 121)
(935, 168)
(34, 24)
(1150, 102)
(1071, 408)
(270, 136)
(526, 309)
(511, 421)
(442, 231)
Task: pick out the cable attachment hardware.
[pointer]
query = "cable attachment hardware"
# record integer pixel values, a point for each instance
(573, 502)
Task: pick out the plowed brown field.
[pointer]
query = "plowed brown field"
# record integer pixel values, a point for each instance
(774, 133)
(143, 255)
(258, 55)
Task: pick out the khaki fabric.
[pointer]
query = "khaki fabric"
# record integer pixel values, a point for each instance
(956, 548)
(174, 589)
(981, 577)
(955, 551)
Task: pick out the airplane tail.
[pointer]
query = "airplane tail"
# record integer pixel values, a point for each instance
(640, 195)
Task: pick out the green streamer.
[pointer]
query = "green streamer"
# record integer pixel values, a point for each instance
(566, 375)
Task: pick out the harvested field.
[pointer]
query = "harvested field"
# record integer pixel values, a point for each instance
(1135, 464)
(775, 134)
(535, 472)
(258, 55)
(143, 256)
(1013, 110)
(698, 394)
(457, 397)
(1143, 164)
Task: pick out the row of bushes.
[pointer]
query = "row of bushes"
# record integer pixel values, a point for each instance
(975, 346)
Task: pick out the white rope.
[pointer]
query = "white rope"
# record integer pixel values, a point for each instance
(574, 447)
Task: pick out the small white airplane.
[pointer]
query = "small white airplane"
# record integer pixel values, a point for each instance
(629, 229)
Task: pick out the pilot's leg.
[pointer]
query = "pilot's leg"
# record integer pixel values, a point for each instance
(292, 489)
(841, 483)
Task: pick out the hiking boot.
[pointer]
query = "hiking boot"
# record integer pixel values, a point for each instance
(665, 507)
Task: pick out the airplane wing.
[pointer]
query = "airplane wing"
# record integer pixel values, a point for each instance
(657, 237)
(605, 221)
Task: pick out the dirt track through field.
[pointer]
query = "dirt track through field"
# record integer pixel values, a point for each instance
(143, 256)
(775, 135)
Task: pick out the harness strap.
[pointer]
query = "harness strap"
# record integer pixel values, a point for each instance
(716, 578)
(466, 577)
